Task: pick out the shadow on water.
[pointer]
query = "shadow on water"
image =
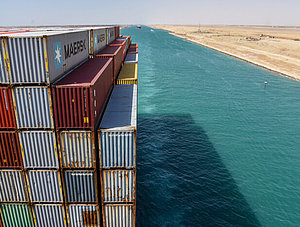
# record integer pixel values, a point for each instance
(181, 180)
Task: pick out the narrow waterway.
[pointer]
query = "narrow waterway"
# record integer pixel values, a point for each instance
(215, 146)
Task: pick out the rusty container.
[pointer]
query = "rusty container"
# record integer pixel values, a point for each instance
(118, 215)
(83, 215)
(115, 53)
(78, 98)
(121, 43)
(10, 151)
(7, 115)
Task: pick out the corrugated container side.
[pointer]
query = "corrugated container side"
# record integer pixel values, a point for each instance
(10, 152)
(44, 186)
(39, 149)
(3, 73)
(118, 186)
(98, 39)
(110, 35)
(83, 215)
(27, 60)
(80, 186)
(119, 215)
(7, 115)
(117, 149)
(128, 74)
(49, 215)
(16, 215)
(77, 149)
(33, 107)
(78, 106)
(121, 43)
(117, 31)
(12, 186)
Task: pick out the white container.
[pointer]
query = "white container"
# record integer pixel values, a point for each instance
(119, 215)
(83, 215)
(49, 215)
(41, 57)
(3, 73)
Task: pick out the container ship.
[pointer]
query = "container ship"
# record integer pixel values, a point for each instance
(68, 126)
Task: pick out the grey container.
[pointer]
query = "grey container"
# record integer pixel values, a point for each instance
(80, 186)
(116, 215)
(3, 73)
(33, 107)
(45, 186)
(12, 186)
(118, 186)
(41, 57)
(110, 34)
(98, 40)
(83, 215)
(131, 58)
(39, 149)
(77, 149)
(117, 132)
(49, 215)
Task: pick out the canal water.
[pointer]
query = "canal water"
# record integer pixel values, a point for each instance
(215, 146)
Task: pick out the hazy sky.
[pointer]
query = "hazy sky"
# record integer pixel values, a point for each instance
(54, 12)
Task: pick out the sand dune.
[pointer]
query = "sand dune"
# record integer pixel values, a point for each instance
(274, 48)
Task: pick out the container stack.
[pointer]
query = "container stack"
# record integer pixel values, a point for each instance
(117, 147)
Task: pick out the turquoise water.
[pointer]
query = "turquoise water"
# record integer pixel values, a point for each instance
(215, 147)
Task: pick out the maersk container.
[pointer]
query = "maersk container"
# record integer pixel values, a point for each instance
(98, 40)
(16, 215)
(121, 43)
(117, 131)
(10, 152)
(7, 114)
(110, 35)
(3, 73)
(33, 107)
(12, 186)
(80, 96)
(128, 74)
(80, 186)
(44, 186)
(49, 215)
(115, 215)
(114, 52)
(41, 57)
(118, 186)
(77, 149)
(39, 149)
(83, 215)
(131, 59)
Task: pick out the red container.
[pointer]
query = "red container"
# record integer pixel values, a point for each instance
(133, 50)
(121, 43)
(129, 39)
(134, 45)
(7, 115)
(10, 151)
(79, 98)
(114, 52)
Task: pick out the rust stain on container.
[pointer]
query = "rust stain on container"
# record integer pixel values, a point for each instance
(7, 116)
(10, 151)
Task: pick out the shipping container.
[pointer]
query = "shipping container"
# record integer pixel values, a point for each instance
(39, 149)
(10, 151)
(117, 131)
(117, 31)
(12, 186)
(77, 149)
(118, 186)
(41, 57)
(80, 97)
(83, 215)
(128, 74)
(7, 114)
(80, 186)
(110, 35)
(33, 107)
(127, 38)
(49, 215)
(44, 186)
(121, 43)
(133, 50)
(116, 215)
(115, 53)
(4, 79)
(97, 40)
(131, 59)
(134, 45)
(16, 215)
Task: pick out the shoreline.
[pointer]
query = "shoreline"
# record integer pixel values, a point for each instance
(238, 56)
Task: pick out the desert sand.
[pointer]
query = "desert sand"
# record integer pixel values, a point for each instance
(274, 48)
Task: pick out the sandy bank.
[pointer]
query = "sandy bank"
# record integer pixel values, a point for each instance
(276, 49)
